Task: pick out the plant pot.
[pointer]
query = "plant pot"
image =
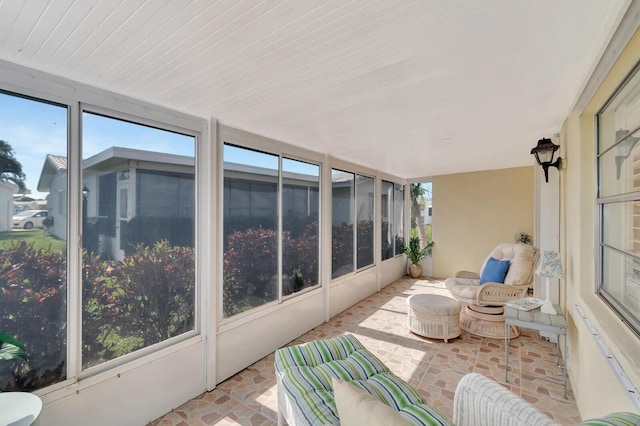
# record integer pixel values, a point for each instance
(415, 270)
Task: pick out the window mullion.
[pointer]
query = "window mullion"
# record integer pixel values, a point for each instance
(392, 220)
(355, 221)
(280, 233)
(74, 248)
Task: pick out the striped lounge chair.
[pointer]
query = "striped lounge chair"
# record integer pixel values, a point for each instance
(305, 394)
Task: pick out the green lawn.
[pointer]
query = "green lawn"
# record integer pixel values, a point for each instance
(35, 237)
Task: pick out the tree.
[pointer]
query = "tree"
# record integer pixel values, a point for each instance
(10, 167)
(419, 195)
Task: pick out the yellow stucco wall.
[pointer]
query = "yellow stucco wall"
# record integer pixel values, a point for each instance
(595, 386)
(474, 212)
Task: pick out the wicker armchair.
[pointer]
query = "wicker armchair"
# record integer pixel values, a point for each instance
(479, 400)
(485, 302)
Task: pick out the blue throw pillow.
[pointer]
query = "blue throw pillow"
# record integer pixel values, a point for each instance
(494, 271)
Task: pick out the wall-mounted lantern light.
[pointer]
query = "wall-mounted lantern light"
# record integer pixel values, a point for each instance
(544, 152)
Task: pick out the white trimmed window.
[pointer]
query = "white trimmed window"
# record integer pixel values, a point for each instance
(618, 202)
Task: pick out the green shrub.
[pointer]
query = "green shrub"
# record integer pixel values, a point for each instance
(341, 246)
(365, 243)
(251, 266)
(33, 309)
(233, 224)
(300, 260)
(250, 270)
(160, 279)
(146, 298)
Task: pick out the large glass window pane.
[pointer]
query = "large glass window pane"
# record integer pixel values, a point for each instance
(33, 233)
(387, 217)
(365, 196)
(621, 116)
(250, 229)
(421, 209)
(618, 162)
(138, 227)
(300, 201)
(620, 167)
(621, 226)
(621, 284)
(342, 200)
(398, 217)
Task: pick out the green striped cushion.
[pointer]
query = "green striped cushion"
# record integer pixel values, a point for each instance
(306, 372)
(615, 419)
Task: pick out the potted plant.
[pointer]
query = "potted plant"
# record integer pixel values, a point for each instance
(415, 254)
(523, 238)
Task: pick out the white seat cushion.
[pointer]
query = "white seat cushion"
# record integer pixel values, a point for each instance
(433, 304)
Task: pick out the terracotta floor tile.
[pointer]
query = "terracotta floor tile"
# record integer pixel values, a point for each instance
(429, 365)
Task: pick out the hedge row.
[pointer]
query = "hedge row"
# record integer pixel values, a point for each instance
(126, 306)
(147, 297)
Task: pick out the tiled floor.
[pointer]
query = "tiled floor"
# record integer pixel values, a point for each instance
(431, 366)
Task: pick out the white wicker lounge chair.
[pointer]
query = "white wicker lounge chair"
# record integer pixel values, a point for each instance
(480, 401)
(483, 315)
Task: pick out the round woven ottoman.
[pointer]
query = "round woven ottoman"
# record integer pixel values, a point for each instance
(433, 316)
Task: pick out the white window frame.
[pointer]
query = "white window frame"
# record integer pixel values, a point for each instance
(47, 88)
(629, 318)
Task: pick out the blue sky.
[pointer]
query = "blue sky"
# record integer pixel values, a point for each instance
(239, 155)
(35, 129)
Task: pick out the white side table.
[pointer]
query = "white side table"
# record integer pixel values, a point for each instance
(19, 408)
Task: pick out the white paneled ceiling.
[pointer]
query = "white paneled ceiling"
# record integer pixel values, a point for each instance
(410, 87)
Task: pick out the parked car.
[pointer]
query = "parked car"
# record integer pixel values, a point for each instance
(29, 218)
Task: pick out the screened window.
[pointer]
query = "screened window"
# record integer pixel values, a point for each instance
(300, 246)
(136, 271)
(618, 201)
(342, 219)
(365, 209)
(392, 200)
(421, 212)
(387, 216)
(251, 271)
(33, 252)
(353, 198)
(163, 193)
(250, 229)
(138, 227)
(398, 217)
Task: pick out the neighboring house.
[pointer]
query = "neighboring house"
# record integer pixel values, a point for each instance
(342, 196)
(122, 183)
(7, 189)
(119, 184)
(53, 179)
(251, 191)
